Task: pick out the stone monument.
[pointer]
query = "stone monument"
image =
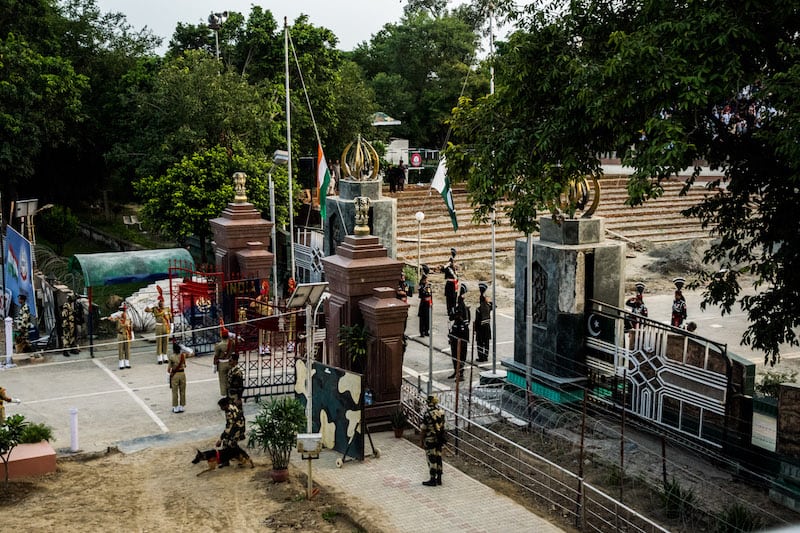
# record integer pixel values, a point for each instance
(241, 237)
(360, 179)
(572, 263)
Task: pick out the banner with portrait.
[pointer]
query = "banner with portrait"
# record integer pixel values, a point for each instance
(19, 269)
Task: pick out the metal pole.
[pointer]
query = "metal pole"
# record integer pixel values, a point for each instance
(419, 243)
(494, 297)
(430, 347)
(73, 429)
(289, 143)
(309, 345)
(274, 240)
(528, 315)
(9, 330)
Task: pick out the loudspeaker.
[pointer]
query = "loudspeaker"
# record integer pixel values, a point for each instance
(306, 172)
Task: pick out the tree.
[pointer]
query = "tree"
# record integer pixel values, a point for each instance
(191, 107)
(181, 202)
(651, 80)
(10, 434)
(418, 68)
(58, 225)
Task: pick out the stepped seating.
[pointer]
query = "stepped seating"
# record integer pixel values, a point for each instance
(658, 220)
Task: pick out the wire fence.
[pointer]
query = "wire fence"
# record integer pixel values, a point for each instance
(536, 451)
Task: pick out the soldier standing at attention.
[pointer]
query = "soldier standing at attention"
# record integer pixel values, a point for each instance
(222, 358)
(459, 335)
(450, 283)
(483, 324)
(235, 380)
(425, 303)
(234, 426)
(162, 316)
(68, 341)
(433, 440)
(176, 366)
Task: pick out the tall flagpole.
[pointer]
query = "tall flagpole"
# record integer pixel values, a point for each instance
(289, 145)
(493, 213)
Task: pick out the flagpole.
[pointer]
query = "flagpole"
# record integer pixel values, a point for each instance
(289, 143)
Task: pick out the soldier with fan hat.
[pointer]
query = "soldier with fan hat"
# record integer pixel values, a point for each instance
(162, 316)
(678, 304)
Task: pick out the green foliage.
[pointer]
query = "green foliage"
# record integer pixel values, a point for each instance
(418, 68)
(10, 435)
(33, 433)
(644, 80)
(736, 518)
(398, 419)
(275, 427)
(771, 382)
(181, 202)
(354, 340)
(329, 515)
(677, 501)
(58, 225)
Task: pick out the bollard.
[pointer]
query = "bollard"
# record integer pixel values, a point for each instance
(73, 429)
(9, 323)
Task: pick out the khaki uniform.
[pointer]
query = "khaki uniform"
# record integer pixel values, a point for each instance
(222, 360)
(163, 317)
(3, 398)
(176, 366)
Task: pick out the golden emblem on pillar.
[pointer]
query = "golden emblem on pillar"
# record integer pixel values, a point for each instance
(360, 161)
(575, 196)
(240, 194)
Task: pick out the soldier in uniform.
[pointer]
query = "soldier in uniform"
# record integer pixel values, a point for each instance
(222, 358)
(4, 397)
(451, 283)
(637, 307)
(176, 366)
(425, 303)
(433, 440)
(22, 325)
(261, 306)
(234, 427)
(483, 324)
(235, 380)
(68, 337)
(459, 335)
(124, 336)
(162, 316)
(678, 304)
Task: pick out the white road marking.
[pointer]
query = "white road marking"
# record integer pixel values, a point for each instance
(132, 394)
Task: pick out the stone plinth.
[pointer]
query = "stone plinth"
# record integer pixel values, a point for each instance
(255, 260)
(572, 264)
(385, 319)
(360, 265)
(28, 460)
(239, 225)
(341, 212)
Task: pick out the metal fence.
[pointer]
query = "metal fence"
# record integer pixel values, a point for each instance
(536, 447)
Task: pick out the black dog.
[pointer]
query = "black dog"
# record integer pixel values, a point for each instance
(222, 458)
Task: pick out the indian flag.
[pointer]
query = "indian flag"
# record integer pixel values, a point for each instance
(323, 180)
(442, 184)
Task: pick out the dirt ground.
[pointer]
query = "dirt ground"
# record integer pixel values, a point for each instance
(158, 490)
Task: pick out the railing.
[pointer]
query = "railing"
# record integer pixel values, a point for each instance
(567, 496)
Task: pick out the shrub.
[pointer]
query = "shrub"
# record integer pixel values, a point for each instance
(771, 382)
(33, 433)
(677, 501)
(737, 518)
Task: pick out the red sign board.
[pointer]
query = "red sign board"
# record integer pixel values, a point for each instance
(416, 160)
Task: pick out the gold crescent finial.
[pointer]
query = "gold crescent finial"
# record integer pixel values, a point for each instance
(360, 161)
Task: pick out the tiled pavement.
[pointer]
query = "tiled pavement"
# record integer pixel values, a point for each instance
(390, 489)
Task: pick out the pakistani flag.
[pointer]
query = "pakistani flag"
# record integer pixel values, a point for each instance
(323, 180)
(442, 184)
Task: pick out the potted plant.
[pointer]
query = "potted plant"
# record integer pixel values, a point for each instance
(354, 340)
(274, 431)
(399, 421)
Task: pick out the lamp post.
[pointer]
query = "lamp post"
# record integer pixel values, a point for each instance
(420, 216)
(215, 22)
(280, 157)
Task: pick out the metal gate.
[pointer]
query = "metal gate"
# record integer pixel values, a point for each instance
(270, 340)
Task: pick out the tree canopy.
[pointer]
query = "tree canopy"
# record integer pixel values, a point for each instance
(663, 84)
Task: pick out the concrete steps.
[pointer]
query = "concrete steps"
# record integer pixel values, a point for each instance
(658, 220)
